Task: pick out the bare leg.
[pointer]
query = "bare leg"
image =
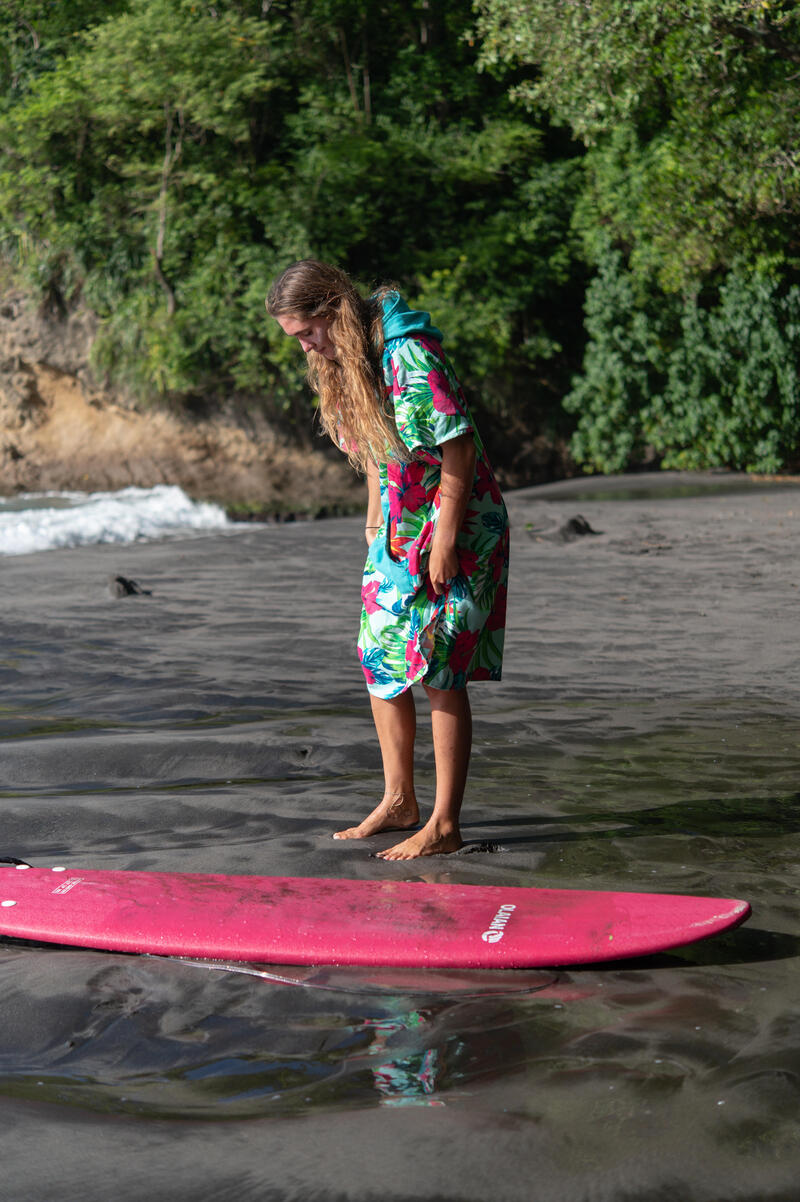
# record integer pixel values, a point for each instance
(451, 719)
(396, 724)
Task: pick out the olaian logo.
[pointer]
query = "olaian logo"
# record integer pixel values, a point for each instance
(68, 884)
(496, 928)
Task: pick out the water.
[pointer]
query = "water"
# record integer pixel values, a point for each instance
(220, 724)
(44, 521)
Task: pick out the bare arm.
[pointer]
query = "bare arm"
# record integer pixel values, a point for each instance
(458, 472)
(374, 511)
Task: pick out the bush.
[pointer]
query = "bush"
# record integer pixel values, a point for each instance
(694, 382)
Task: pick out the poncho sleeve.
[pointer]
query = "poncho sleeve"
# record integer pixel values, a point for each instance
(429, 406)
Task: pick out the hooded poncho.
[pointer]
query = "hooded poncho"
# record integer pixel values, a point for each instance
(408, 634)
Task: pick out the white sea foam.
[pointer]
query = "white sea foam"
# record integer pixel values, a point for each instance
(44, 521)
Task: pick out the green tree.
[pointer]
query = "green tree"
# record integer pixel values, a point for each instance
(732, 393)
(625, 365)
(35, 34)
(172, 155)
(125, 174)
(691, 383)
(688, 112)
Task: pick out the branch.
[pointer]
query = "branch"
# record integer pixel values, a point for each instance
(171, 155)
(32, 32)
(366, 81)
(348, 71)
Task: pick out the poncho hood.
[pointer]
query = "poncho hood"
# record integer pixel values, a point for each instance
(401, 322)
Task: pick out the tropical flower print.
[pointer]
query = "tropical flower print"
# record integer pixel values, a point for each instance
(369, 595)
(409, 490)
(407, 633)
(440, 393)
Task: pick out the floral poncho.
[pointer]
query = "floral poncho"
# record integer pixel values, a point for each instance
(407, 633)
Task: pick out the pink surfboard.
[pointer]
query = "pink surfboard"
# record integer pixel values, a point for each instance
(306, 920)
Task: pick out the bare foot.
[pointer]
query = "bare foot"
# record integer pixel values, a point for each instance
(392, 814)
(432, 840)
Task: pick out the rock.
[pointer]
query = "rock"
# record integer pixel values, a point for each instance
(34, 334)
(576, 527)
(573, 529)
(121, 586)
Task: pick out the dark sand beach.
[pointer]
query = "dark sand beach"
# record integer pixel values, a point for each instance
(644, 737)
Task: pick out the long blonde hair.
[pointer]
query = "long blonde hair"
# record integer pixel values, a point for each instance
(353, 409)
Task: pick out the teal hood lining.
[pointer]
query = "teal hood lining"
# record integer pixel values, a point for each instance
(401, 322)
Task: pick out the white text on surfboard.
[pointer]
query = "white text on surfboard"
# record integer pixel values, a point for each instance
(68, 884)
(496, 928)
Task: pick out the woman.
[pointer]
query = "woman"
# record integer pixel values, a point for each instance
(434, 586)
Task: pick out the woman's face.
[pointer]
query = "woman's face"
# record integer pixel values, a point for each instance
(310, 332)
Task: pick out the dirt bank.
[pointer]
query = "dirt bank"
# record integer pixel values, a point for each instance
(59, 430)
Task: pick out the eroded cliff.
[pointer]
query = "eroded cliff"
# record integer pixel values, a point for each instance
(60, 430)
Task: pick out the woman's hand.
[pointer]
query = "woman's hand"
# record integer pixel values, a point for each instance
(443, 563)
(458, 473)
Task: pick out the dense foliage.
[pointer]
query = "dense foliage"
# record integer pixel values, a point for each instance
(695, 385)
(166, 157)
(597, 201)
(690, 113)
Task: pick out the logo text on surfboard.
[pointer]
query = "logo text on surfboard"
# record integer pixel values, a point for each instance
(68, 884)
(496, 929)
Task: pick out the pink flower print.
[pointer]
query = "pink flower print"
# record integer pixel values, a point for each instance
(499, 557)
(394, 481)
(464, 646)
(415, 660)
(468, 561)
(420, 544)
(485, 482)
(413, 494)
(369, 676)
(442, 393)
(369, 595)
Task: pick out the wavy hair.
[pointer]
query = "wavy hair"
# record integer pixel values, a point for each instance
(353, 408)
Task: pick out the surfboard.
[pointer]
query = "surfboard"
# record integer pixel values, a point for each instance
(310, 920)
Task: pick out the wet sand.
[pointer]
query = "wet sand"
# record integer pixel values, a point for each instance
(644, 737)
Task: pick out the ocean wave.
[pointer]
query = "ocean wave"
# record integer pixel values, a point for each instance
(45, 521)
